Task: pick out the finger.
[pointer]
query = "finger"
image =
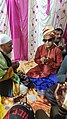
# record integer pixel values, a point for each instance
(56, 90)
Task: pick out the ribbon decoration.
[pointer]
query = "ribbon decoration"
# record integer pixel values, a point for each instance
(48, 7)
(60, 1)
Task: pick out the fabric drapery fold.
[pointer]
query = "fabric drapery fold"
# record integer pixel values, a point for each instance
(18, 19)
(60, 1)
(48, 7)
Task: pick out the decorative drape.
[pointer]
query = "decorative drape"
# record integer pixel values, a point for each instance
(42, 13)
(18, 19)
(4, 24)
(24, 20)
(33, 28)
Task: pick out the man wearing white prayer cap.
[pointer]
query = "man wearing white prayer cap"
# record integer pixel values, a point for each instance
(5, 43)
(8, 77)
(4, 38)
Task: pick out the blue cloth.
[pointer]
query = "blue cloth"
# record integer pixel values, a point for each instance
(44, 83)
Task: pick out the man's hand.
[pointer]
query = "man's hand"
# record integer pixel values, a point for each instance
(62, 46)
(45, 60)
(60, 93)
(42, 60)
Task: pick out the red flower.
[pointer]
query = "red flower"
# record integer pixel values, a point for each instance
(2, 11)
(64, 11)
(35, 31)
(36, 19)
(61, 25)
(30, 53)
(37, 6)
(34, 41)
(33, 12)
(0, 30)
(32, 35)
(32, 24)
(4, 24)
(57, 16)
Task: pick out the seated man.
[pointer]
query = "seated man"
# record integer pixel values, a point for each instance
(62, 78)
(48, 57)
(8, 79)
(60, 41)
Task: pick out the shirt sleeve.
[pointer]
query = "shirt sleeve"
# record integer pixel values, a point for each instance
(37, 58)
(58, 59)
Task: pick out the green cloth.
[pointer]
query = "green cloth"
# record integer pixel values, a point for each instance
(4, 67)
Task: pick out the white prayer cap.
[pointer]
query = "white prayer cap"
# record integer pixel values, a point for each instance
(4, 38)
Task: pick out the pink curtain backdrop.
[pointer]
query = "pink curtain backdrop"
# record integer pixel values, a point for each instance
(18, 20)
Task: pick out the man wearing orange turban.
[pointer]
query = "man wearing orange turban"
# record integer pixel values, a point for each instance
(48, 57)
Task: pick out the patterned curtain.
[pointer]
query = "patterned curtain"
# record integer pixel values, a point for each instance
(42, 13)
(4, 24)
(24, 21)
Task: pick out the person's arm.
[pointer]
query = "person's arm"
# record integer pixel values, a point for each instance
(49, 61)
(61, 94)
(61, 97)
(62, 72)
(63, 67)
(58, 59)
(38, 59)
(62, 44)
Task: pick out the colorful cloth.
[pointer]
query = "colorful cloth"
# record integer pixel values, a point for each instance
(5, 63)
(44, 83)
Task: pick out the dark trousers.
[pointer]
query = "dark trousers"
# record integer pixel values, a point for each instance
(49, 94)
